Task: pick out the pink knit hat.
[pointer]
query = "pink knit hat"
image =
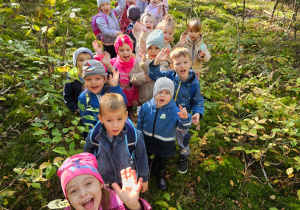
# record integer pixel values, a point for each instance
(120, 41)
(83, 163)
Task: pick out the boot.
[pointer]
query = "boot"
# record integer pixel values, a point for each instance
(161, 179)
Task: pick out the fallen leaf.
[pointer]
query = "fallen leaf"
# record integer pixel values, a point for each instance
(231, 182)
(272, 197)
(198, 178)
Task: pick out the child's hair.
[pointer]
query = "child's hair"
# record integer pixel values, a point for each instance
(145, 14)
(167, 20)
(111, 102)
(194, 25)
(178, 52)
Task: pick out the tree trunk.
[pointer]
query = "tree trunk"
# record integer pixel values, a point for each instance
(275, 6)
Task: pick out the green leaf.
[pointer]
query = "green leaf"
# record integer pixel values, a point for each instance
(17, 170)
(36, 185)
(167, 196)
(44, 165)
(81, 106)
(89, 117)
(7, 193)
(81, 128)
(179, 207)
(50, 171)
(76, 136)
(72, 145)
(237, 148)
(50, 125)
(57, 139)
(65, 130)
(37, 124)
(74, 122)
(45, 140)
(253, 132)
(60, 150)
(55, 132)
(29, 171)
(58, 204)
(40, 132)
(162, 204)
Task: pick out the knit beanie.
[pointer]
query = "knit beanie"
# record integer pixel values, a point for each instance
(83, 163)
(79, 51)
(155, 38)
(163, 83)
(99, 2)
(92, 67)
(133, 13)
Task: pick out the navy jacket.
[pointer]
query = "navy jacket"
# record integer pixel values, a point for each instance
(71, 92)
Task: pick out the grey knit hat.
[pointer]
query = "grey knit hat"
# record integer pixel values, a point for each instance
(79, 51)
(133, 13)
(99, 2)
(163, 83)
(93, 67)
(155, 38)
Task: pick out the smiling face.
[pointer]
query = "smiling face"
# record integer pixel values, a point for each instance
(148, 21)
(95, 83)
(162, 98)
(168, 33)
(193, 35)
(84, 192)
(181, 65)
(79, 62)
(105, 8)
(113, 121)
(125, 52)
(152, 52)
(155, 2)
(130, 2)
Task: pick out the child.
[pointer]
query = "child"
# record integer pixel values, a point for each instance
(124, 63)
(124, 20)
(192, 40)
(158, 119)
(187, 93)
(133, 14)
(95, 78)
(75, 82)
(139, 74)
(83, 187)
(113, 154)
(167, 26)
(141, 31)
(158, 9)
(109, 26)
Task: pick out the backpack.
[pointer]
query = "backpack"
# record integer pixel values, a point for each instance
(130, 139)
(96, 30)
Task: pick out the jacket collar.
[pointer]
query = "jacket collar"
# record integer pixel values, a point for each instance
(168, 105)
(102, 133)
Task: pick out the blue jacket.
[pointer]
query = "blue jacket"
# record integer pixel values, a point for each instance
(91, 106)
(159, 127)
(113, 157)
(189, 95)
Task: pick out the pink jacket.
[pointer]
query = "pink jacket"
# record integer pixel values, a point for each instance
(124, 68)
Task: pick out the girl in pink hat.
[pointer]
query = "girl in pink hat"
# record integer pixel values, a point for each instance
(83, 186)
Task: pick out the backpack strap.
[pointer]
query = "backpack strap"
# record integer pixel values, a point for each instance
(131, 137)
(93, 134)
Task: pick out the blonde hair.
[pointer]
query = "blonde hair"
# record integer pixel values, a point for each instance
(167, 21)
(145, 14)
(178, 52)
(111, 102)
(194, 25)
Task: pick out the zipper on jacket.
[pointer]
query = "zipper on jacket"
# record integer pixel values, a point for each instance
(157, 110)
(193, 53)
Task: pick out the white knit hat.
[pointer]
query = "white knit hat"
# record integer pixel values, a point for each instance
(163, 83)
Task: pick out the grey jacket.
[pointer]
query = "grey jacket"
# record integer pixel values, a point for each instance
(110, 27)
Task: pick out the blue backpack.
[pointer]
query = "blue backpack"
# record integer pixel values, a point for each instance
(130, 139)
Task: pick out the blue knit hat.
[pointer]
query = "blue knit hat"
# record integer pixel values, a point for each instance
(79, 51)
(155, 38)
(99, 2)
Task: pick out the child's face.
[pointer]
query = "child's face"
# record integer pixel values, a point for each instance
(84, 192)
(193, 35)
(181, 65)
(130, 2)
(155, 2)
(113, 121)
(162, 98)
(95, 83)
(152, 52)
(125, 52)
(148, 21)
(80, 59)
(168, 34)
(105, 8)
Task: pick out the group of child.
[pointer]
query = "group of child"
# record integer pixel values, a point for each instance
(104, 89)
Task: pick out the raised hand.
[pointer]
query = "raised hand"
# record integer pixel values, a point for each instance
(162, 56)
(119, 33)
(195, 118)
(202, 54)
(97, 47)
(130, 191)
(142, 54)
(182, 40)
(183, 113)
(114, 78)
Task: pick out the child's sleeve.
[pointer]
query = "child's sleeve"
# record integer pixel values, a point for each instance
(103, 26)
(197, 102)
(155, 73)
(140, 121)
(120, 8)
(141, 157)
(68, 95)
(88, 145)
(137, 75)
(184, 123)
(118, 89)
